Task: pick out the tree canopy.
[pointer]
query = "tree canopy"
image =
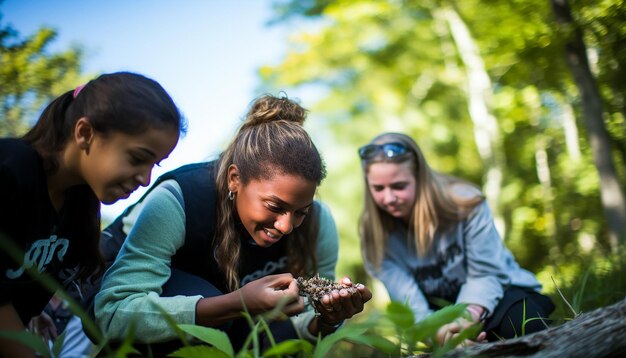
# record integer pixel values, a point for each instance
(438, 70)
(31, 76)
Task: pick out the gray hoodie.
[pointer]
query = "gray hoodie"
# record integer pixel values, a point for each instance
(465, 264)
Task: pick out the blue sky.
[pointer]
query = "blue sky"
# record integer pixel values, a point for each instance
(204, 53)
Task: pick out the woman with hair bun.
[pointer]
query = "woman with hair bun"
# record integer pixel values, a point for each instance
(211, 240)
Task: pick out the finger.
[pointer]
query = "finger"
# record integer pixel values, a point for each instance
(294, 307)
(357, 301)
(454, 327)
(348, 306)
(441, 334)
(320, 306)
(289, 293)
(53, 332)
(336, 301)
(325, 300)
(282, 280)
(293, 287)
(45, 334)
(365, 292)
(482, 337)
(346, 281)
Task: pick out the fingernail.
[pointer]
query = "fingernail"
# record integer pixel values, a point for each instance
(347, 280)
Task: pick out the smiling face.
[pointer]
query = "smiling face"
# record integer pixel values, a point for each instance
(271, 208)
(117, 164)
(393, 188)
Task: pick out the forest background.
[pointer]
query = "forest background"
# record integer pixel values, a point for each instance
(524, 98)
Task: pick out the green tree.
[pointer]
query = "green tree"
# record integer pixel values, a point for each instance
(399, 65)
(31, 76)
(613, 199)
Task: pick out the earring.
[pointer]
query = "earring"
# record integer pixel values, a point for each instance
(231, 195)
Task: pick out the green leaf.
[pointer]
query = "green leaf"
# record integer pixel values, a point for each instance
(126, 347)
(400, 314)
(28, 339)
(198, 352)
(57, 346)
(212, 336)
(289, 347)
(326, 343)
(377, 342)
(429, 325)
(253, 338)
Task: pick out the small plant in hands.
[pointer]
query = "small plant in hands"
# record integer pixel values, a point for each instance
(316, 287)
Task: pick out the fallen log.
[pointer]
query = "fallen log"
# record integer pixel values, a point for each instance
(599, 333)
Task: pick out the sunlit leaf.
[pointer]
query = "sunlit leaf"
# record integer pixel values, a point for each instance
(199, 352)
(219, 339)
(400, 314)
(290, 347)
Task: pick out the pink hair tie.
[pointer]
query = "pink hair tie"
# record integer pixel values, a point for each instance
(78, 89)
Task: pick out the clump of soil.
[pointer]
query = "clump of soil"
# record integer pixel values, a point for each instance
(316, 287)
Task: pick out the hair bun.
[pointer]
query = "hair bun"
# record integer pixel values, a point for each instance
(269, 108)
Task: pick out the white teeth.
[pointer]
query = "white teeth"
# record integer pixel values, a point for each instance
(270, 235)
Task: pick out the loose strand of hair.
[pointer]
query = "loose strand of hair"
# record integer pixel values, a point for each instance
(227, 246)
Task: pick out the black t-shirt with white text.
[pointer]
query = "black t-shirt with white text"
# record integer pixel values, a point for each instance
(30, 224)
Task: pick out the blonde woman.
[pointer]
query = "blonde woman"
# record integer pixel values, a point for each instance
(430, 238)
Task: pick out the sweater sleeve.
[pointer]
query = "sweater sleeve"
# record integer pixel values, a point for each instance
(486, 261)
(327, 253)
(131, 288)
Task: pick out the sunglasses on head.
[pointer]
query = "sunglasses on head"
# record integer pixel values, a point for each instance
(389, 150)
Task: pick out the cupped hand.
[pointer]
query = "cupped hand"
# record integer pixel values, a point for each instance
(269, 292)
(341, 304)
(43, 325)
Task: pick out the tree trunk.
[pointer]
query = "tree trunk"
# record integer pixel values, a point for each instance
(571, 132)
(599, 333)
(486, 130)
(612, 196)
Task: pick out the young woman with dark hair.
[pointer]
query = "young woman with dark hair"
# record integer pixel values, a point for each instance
(211, 240)
(96, 143)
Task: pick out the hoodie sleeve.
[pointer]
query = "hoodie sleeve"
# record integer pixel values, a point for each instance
(486, 261)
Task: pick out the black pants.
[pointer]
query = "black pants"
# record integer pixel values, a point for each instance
(521, 311)
(182, 283)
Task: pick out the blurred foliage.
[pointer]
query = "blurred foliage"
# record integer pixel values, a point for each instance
(391, 331)
(584, 284)
(31, 76)
(388, 65)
